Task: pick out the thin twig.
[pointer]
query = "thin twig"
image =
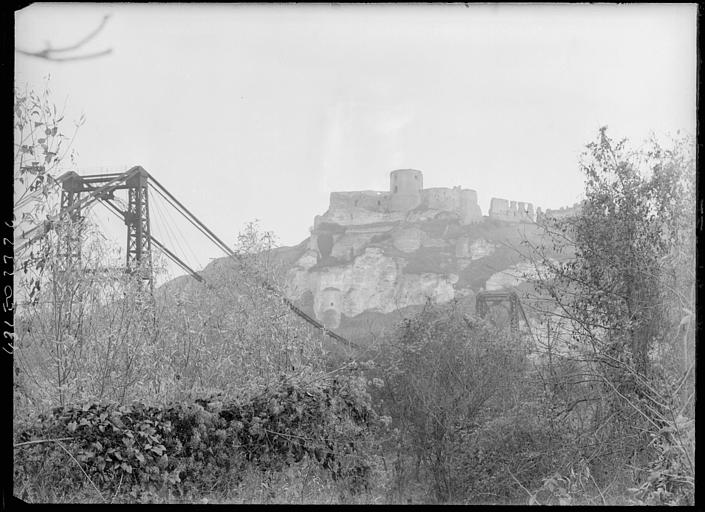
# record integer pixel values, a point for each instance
(631, 404)
(602, 496)
(43, 441)
(520, 484)
(82, 471)
(44, 54)
(83, 41)
(122, 474)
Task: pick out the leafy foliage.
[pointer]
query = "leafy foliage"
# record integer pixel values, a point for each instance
(619, 353)
(236, 335)
(40, 145)
(445, 371)
(184, 448)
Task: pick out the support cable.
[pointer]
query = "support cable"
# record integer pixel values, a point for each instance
(171, 238)
(115, 210)
(189, 216)
(232, 254)
(178, 235)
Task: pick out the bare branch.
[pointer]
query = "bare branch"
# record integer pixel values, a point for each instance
(82, 471)
(45, 54)
(48, 53)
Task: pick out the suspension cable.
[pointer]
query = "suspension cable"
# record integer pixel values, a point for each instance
(236, 257)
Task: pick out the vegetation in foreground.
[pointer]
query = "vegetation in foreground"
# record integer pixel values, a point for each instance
(222, 396)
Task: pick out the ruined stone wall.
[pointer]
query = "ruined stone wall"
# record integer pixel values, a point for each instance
(358, 216)
(404, 202)
(407, 193)
(564, 211)
(367, 199)
(511, 211)
(499, 209)
(470, 211)
(457, 200)
(444, 198)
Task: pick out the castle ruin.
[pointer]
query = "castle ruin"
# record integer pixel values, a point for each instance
(406, 193)
(560, 213)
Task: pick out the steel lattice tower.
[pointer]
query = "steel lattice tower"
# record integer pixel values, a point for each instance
(486, 299)
(136, 217)
(70, 245)
(139, 241)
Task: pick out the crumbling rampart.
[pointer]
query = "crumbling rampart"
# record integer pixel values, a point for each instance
(560, 213)
(408, 200)
(366, 199)
(406, 193)
(511, 211)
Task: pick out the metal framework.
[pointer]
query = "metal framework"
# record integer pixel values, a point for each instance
(70, 246)
(79, 192)
(139, 240)
(487, 299)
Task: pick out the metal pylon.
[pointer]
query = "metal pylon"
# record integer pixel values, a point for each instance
(139, 241)
(486, 299)
(136, 217)
(70, 244)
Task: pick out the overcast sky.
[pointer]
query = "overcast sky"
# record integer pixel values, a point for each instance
(261, 111)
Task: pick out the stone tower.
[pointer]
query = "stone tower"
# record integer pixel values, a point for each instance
(405, 186)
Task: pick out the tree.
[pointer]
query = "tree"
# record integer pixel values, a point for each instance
(625, 298)
(41, 146)
(80, 329)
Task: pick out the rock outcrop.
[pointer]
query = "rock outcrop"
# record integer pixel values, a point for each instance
(372, 282)
(378, 252)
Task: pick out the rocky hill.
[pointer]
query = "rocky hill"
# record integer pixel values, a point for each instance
(375, 257)
(372, 272)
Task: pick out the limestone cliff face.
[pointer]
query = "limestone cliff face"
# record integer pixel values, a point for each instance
(350, 269)
(373, 281)
(514, 275)
(511, 277)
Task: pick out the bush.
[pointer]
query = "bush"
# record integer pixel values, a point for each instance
(186, 450)
(513, 446)
(446, 374)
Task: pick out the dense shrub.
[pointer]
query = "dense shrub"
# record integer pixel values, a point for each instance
(184, 449)
(446, 374)
(517, 445)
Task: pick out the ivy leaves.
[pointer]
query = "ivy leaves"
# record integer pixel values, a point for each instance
(174, 446)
